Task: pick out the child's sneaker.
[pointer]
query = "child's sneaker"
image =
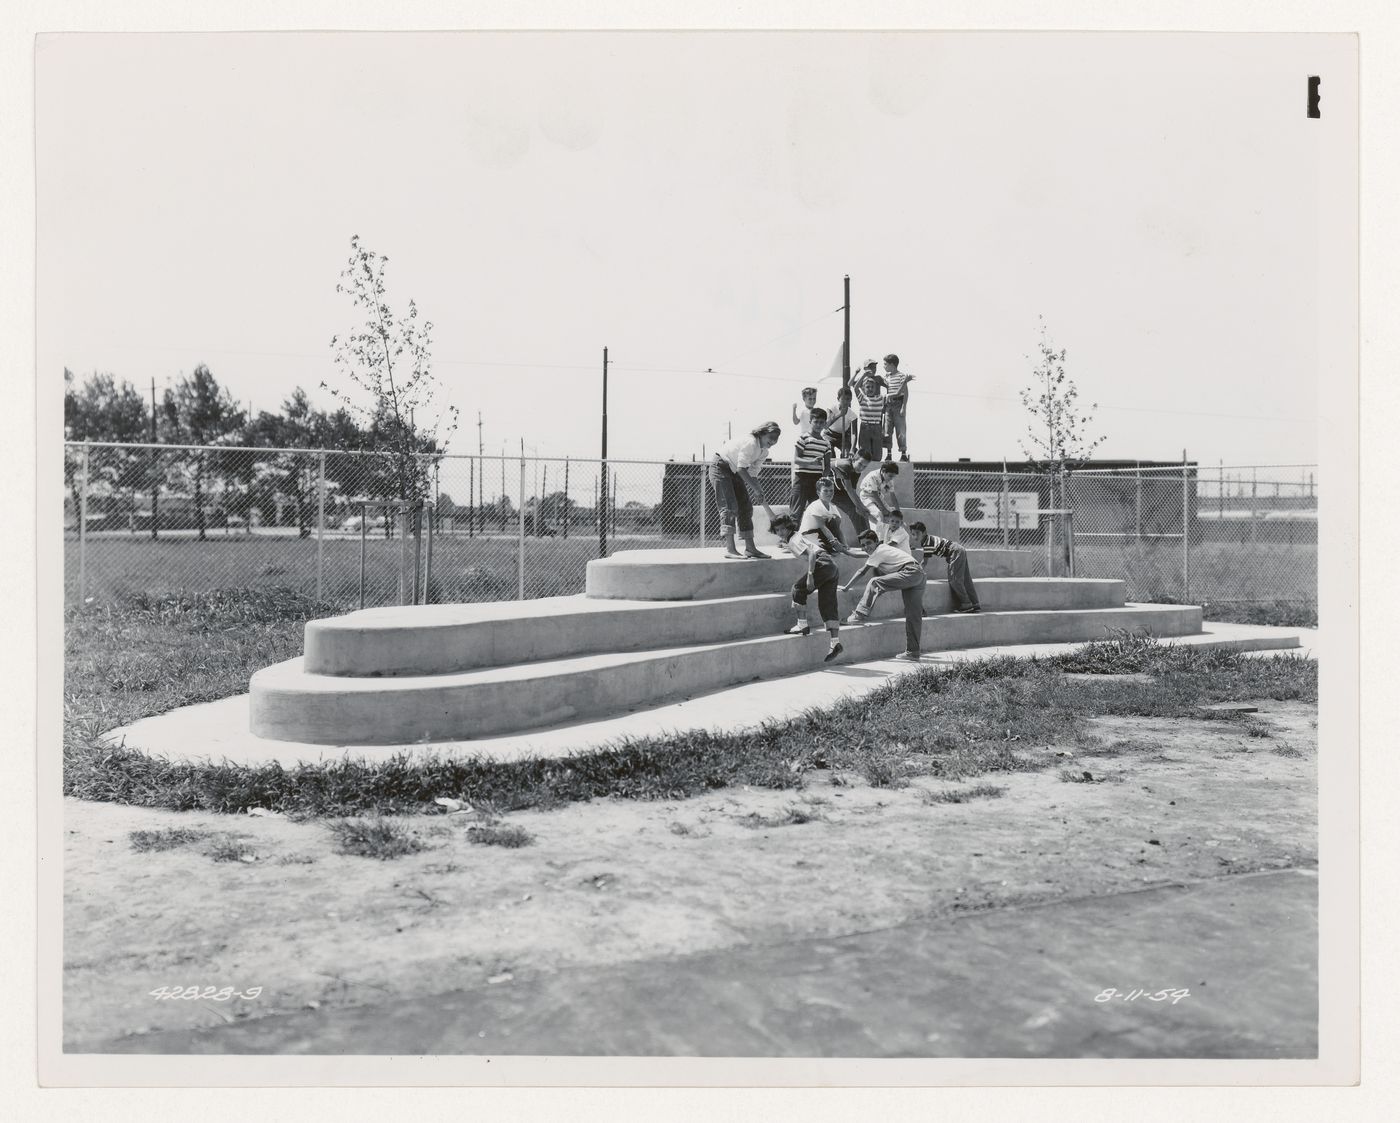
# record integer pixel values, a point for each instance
(908, 656)
(800, 630)
(855, 618)
(835, 650)
(968, 609)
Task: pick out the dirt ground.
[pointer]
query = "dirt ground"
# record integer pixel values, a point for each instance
(613, 881)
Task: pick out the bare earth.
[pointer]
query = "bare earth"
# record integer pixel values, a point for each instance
(615, 881)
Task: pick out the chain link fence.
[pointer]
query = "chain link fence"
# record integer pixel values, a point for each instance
(154, 520)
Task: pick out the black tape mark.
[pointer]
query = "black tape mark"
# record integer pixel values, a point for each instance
(1314, 96)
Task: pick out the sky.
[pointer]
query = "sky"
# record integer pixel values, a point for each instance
(692, 202)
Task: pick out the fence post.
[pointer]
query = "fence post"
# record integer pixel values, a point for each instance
(1137, 475)
(431, 516)
(1004, 513)
(703, 505)
(320, 525)
(1069, 535)
(520, 555)
(364, 517)
(403, 551)
(82, 527)
(1185, 533)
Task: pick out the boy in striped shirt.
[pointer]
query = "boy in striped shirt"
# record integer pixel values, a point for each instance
(925, 545)
(896, 403)
(810, 457)
(870, 400)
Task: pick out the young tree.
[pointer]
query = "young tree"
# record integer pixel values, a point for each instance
(389, 360)
(198, 411)
(1058, 439)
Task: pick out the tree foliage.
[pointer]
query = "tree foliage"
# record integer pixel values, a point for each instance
(198, 411)
(388, 359)
(1059, 437)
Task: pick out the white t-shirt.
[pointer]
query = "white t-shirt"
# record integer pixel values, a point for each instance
(804, 421)
(899, 539)
(743, 452)
(815, 517)
(872, 486)
(888, 559)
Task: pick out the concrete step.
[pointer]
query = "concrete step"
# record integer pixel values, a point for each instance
(289, 704)
(438, 639)
(704, 574)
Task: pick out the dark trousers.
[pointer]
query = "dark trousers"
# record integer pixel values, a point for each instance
(870, 442)
(735, 506)
(825, 578)
(804, 492)
(960, 579)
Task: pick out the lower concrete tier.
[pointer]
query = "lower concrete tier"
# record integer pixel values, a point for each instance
(704, 574)
(289, 704)
(439, 639)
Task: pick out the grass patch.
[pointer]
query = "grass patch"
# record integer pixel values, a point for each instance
(1256, 728)
(168, 838)
(962, 795)
(1279, 614)
(374, 838)
(229, 848)
(974, 718)
(510, 837)
(792, 815)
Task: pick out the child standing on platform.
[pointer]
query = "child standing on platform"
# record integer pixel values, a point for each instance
(894, 569)
(730, 477)
(810, 459)
(895, 532)
(841, 422)
(802, 418)
(871, 402)
(896, 408)
(960, 585)
(821, 578)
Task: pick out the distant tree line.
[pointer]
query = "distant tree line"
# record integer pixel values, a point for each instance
(197, 411)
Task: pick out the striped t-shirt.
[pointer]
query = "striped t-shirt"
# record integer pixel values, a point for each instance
(872, 406)
(936, 547)
(897, 381)
(810, 453)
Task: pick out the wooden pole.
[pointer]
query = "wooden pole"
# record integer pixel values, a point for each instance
(520, 538)
(846, 338)
(1185, 531)
(603, 468)
(320, 524)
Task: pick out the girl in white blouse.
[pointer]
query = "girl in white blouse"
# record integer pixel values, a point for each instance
(731, 478)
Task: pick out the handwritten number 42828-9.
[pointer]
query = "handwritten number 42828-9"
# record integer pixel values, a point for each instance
(1171, 995)
(216, 994)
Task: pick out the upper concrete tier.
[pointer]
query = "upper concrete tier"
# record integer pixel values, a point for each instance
(443, 638)
(704, 574)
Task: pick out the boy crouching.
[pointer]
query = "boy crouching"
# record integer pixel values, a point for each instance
(821, 578)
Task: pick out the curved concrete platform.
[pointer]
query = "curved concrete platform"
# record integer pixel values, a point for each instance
(704, 574)
(289, 704)
(439, 639)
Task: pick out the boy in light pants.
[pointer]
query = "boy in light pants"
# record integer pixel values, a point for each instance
(894, 569)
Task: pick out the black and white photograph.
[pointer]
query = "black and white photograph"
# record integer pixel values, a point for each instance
(724, 546)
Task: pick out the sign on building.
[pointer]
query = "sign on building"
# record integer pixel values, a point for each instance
(993, 510)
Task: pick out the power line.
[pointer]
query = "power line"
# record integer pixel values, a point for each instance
(696, 371)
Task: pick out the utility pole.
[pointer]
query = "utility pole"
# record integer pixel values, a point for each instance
(603, 467)
(846, 339)
(155, 468)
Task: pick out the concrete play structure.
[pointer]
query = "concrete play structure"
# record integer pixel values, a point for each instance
(653, 626)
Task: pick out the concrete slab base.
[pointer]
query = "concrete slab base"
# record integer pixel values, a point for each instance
(220, 731)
